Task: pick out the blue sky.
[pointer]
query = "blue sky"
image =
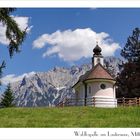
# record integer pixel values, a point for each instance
(64, 37)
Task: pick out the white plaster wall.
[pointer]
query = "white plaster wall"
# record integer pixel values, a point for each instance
(103, 97)
(97, 91)
(80, 95)
(96, 60)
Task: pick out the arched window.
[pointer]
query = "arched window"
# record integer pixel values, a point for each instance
(89, 89)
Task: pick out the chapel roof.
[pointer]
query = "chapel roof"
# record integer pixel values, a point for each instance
(97, 72)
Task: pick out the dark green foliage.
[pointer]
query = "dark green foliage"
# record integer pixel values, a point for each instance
(7, 98)
(13, 32)
(128, 81)
(131, 51)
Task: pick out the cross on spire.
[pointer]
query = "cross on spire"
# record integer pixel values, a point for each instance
(96, 41)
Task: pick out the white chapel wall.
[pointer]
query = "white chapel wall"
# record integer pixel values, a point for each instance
(80, 94)
(97, 91)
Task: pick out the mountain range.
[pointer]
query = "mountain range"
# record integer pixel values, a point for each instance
(51, 87)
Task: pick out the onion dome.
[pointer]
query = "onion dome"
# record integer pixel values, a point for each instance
(97, 50)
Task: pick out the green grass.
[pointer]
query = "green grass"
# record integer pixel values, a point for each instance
(70, 117)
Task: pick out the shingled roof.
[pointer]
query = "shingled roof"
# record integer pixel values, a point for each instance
(97, 72)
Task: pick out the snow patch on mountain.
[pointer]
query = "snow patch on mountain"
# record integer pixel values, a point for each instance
(50, 88)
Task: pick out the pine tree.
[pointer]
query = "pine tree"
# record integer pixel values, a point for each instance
(13, 33)
(128, 80)
(131, 51)
(7, 98)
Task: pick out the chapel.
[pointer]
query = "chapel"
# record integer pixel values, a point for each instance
(96, 84)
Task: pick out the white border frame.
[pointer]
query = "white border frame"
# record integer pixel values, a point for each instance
(70, 3)
(57, 133)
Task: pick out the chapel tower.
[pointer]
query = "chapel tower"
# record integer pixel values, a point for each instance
(97, 56)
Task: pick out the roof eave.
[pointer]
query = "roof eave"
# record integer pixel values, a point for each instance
(77, 84)
(100, 80)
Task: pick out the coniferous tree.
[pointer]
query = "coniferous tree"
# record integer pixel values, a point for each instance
(13, 33)
(128, 80)
(7, 98)
(131, 51)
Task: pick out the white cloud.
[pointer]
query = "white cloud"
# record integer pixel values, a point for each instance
(3, 39)
(22, 23)
(73, 45)
(11, 78)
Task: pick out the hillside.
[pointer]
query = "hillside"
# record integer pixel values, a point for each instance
(70, 117)
(50, 88)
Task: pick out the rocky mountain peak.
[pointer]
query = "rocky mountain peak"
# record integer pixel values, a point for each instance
(49, 88)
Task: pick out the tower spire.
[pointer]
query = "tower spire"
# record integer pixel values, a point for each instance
(97, 56)
(97, 50)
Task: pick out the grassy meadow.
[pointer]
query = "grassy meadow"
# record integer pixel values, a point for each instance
(70, 117)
